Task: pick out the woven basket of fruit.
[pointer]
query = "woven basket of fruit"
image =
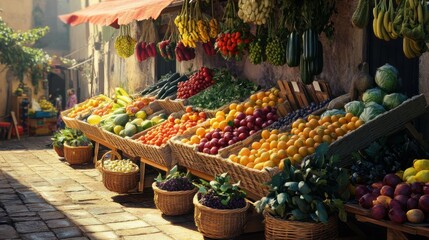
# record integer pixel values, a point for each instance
(78, 154)
(220, 209)
(119, 176)
(276, 228)
(171, 106)
(109, 155)
(91, 130)
(69, 122)
(186, 154)
(173, 195)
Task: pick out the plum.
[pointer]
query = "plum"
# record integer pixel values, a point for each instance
(417, 187)
(403, 189)
(376, 192)
(412, 203)
(397, 215)
(366, 200)
(402, 199)
(424, 203)
(426, 188)
(416, 195)
(378, 211)
(392, 180)
(415, 216)
(387, 190)
(360, 191)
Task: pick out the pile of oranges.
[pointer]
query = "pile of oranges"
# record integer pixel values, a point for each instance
(88, 105)
(222, 120)
(304, 137)
(160, 134)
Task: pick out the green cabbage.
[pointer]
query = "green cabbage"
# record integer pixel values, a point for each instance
(373, 95)
(354, 107)
(387, 79)
(371, 111)
(393, 100)
(333, 112)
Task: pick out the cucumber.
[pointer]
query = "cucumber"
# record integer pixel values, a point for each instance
(310, 39)
(162, 91)
(293, 50)
(170, 91)
(180, 79)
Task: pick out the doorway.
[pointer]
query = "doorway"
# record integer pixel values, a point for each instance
(57, 87)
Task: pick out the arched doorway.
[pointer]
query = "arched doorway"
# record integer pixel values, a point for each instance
(57, 87)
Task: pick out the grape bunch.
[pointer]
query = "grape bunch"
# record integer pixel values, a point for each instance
(211, 200)
(176, 184)
(276, 52)
(256, 52)
(122, 166)
(300, 113)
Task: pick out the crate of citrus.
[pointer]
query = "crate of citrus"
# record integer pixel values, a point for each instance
(228, 128)
(152, 143)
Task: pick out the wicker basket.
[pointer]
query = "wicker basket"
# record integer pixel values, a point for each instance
(219, 223)
(173, 203)
(282, 229)
(59, 151)
(78, 155)
(119, 182)
(90, 130)
(111, 155)
(171, 106)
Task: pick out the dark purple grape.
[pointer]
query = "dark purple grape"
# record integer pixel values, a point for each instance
(176, 184)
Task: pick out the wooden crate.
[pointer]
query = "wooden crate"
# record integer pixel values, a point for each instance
(319, 91)
(295, 93)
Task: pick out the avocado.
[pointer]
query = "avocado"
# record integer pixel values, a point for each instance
(146, 124)
(121, 119)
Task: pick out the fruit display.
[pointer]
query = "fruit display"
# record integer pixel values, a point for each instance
(88, 105)
(232, 120)
(138, 104)
(409, 20)
(124, 43)
(226, 89)
(175, 181)
(303, 139)
(45, 105)
(184, 53)
(121, 166)
(160, 134)
(256, 12)
(395, 200)
(196, 83)
(186, 23)
(243, 126)
(257, 53)
(297, 114)
(165, 87)
(276, 51)
(419, 172)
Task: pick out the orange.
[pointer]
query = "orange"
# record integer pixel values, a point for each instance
(253, 151)
(298, 143)
(253, 97)
(250, 165)
(312, 133)
(247, 104)
(290, 143)
(281, 165)
(291, 150)
(313, 122)
(249, 111)
(326, 119)
(201, 132)
(244, 152)
(256, 145)
(303, 151)
(327, 138)
(311, 150)
(297, 159)
(317, 139)
(331, 128)
(273, 144)
(301, 127)
(273, 137)
(265, 134)
(252, 158)
(195, 139)
(354, 119)
(233, 106)
(344, 128)
(244, 160)
(339, 132)
(281, 145)
(269, 164)
(282, 153)
(274, 131)
(257, 160)
(309, 142)
(233, 158)
(220, 118)
(342, 120)
(351, 126)
(185, 140)
(265, 146)
(265, 156)
(259, 166)
(215, 125)
(335, 118)
(260, 95)
(358, 123)
(349, 116)
(240, 108)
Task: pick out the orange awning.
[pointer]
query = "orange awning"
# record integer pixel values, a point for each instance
(123, 11)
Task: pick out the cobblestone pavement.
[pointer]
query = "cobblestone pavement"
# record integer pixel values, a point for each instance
(42, 197)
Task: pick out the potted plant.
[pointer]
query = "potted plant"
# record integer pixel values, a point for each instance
(220, 208)
(58, 142)
(77, 148)
(302, 203)
(173, 194)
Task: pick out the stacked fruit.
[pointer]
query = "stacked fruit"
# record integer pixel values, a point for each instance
(196, 83)
(122, 166)
(45, 105)
(223, 122)
(184, 53)
(232, 45)
(173, 126)
(106, 109)
(88, 105)
(419, 172)
(138, 104)
(304, 137)
(166, 49)
(395, 200)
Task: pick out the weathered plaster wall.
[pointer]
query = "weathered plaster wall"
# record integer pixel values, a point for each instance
(424, 88)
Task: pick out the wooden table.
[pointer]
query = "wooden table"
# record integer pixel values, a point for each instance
(394, 231)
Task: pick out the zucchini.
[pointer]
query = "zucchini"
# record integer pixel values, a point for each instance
(310, 39)
(305, 48)
(319, 59)
(176, 81)
(162, 91)
(170, 91)
(306, 75)
(293, 50)
(173, 77)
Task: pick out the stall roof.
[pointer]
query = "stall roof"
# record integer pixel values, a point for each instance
(120, 12)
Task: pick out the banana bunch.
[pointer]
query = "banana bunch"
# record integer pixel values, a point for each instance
(413, 48)
(45, 105)
(124, 43)
(214, 28)
(383, 21)
(415, 28)
(203, 34)
(187, 30)
(122, 97)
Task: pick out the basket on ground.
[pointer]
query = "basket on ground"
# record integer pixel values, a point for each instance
(219, 223)
(276, 228)
(173, 203)
(78, 155)
(117, 181)
(59, 151)
(111, 155)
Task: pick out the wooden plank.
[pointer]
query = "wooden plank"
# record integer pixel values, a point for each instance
(418, 136)
(388, 224)
(385, 124)
(14, 125)
(290, 96)
(395, 235)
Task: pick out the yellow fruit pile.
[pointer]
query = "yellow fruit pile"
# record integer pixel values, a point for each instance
(257, 100)
(304, 137)
(124, 44)
(419, 172)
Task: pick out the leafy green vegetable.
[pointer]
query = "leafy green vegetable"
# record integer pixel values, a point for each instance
(387, 79)
(355, 107)
(227, 89)
(371, 111)
(393, 100)
(373, 95)
(333, 112)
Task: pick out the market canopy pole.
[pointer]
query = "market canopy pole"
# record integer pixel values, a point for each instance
(117, 12)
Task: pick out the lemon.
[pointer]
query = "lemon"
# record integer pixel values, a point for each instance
(421, 164)
(117, 129)
(141, 114)
(408, 173)
(93, 119)
(411, 179)
(422, 176)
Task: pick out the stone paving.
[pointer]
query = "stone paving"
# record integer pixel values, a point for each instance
(42, 197)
